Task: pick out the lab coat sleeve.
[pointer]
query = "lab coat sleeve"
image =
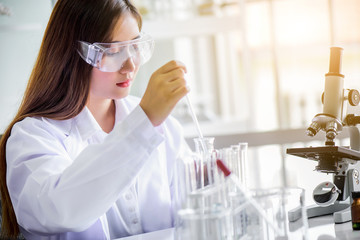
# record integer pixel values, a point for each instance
(52, 193)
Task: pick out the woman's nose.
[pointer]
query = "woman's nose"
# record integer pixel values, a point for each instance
(128, 66)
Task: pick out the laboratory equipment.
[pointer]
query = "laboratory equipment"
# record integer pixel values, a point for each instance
(202, 203)
(209, 206)
(355, 210)
(204, 160)
(240, 160)
(195, 120)
(326, 193)
(212, 205)
(339, 108)
(247, 198)
(204, 224)
(263, 213)
(277, 203)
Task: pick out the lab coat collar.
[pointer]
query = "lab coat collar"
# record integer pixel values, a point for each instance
(122, 109)
(87, 124)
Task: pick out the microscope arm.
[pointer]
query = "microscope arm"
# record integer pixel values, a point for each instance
(346, 179)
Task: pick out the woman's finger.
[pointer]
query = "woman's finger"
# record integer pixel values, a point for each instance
(168, 67)
(176, 83)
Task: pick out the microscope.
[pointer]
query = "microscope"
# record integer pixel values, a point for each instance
(339, 111)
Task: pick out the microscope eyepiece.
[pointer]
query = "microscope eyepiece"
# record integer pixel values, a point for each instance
(335, 62)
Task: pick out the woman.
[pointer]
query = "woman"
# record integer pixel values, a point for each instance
(82, 159)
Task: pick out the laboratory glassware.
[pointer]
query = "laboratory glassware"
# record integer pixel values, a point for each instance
(204, 224)
(235, 158)
(217, 205)
(276, 203)
(355, 210)
(204, 212)
(195, 174)
(264, 213)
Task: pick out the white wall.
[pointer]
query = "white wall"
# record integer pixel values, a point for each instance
(20, 38)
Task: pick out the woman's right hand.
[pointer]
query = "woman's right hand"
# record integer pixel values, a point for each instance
(166, 87)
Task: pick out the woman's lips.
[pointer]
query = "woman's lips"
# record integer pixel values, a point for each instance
(124, 84)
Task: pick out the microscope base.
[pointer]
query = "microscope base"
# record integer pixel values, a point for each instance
(341, 211)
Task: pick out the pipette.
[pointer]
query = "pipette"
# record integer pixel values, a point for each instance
(196, 122)
(247, 196)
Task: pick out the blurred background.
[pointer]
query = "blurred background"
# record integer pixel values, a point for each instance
(256, 70)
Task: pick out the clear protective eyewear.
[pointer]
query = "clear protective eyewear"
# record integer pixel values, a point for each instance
(111, 57)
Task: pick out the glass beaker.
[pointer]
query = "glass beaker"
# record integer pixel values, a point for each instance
(204, 224)
(205, 162)
(211, 190)
(276, 203)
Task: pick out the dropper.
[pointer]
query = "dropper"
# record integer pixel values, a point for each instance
(196, 122)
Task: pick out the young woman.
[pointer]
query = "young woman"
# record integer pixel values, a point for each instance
(82, 159)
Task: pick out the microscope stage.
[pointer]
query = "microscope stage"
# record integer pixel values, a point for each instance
(318, 153)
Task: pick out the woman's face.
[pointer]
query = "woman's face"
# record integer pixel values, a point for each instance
(115, 85)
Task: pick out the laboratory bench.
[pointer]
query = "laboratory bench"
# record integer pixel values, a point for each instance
(320, 228)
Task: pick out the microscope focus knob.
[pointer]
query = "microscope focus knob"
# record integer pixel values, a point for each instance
(354, 97)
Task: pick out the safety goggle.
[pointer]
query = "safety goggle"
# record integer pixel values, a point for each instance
(111, 57)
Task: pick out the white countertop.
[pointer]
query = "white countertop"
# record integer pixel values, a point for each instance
(320, 228)
(323, 228)
(166, 234)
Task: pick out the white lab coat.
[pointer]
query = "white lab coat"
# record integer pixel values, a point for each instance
(68, 179)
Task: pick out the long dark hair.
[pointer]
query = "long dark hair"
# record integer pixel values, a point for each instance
(58, 86)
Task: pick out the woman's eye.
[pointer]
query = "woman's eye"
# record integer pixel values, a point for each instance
(112, 53)
(115, 52)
